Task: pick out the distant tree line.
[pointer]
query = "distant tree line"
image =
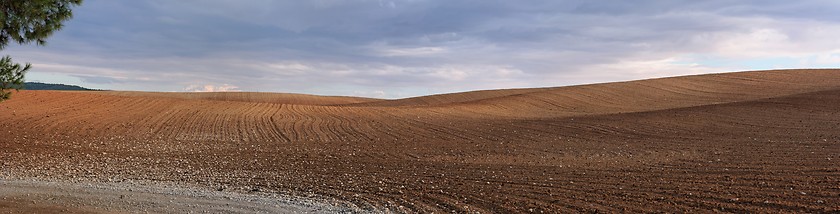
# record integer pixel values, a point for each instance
(57, 87)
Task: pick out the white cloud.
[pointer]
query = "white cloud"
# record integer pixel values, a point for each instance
(371, 94)
(828, 58)
(769, 37)
(419, 51)
(657, 68)
(211, 88)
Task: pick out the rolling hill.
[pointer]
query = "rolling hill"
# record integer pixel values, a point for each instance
(758, 141)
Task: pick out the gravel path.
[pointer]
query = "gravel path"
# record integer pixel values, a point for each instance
(39, 196)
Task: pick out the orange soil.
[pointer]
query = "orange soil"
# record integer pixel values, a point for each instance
(257, 97)
(749, 141)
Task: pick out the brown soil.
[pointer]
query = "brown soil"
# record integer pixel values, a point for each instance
(257, 97)
(766, 141)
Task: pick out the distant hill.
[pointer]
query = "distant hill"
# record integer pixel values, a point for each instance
(50, 86)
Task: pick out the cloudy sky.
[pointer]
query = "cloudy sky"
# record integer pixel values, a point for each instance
(402, 48)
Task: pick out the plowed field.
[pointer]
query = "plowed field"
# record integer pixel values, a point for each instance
(762, 141)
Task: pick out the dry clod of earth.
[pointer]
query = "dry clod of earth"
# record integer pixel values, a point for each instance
(763, 141)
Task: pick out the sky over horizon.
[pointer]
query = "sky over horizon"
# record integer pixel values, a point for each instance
(404, 48)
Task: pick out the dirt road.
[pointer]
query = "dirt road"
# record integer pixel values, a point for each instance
(38, 196)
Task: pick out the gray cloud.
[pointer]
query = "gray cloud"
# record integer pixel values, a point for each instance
(396, 48)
